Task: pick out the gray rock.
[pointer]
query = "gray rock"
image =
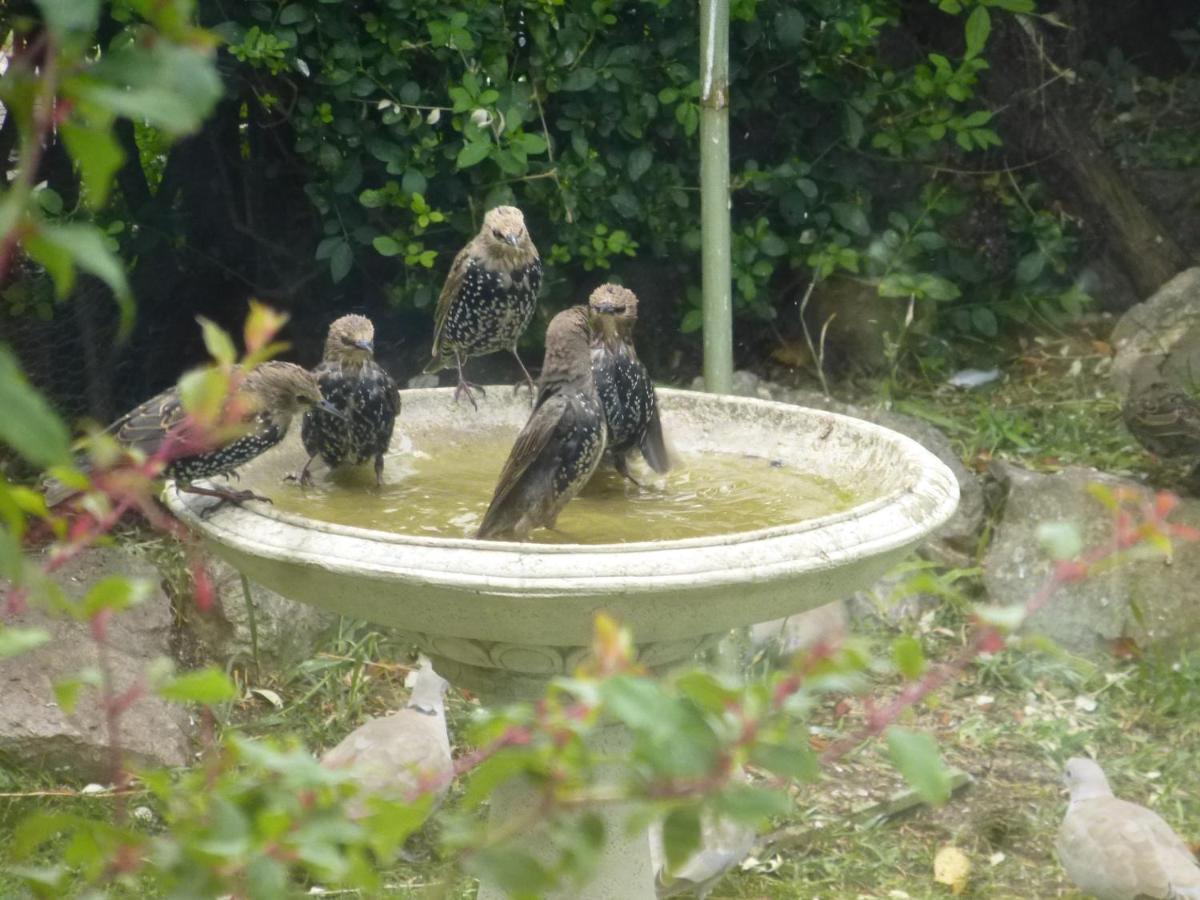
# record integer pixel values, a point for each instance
(1147, 600)
(743, 384)
(802, 631)
(36, 733)
(282, 631)
(1160, 338)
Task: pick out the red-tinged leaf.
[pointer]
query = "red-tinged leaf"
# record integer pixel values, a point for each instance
(1069, 571)
(99, 624)
(991, 641)
(262, 324)
(1184, 532)
(202, 586)
(1164, 503)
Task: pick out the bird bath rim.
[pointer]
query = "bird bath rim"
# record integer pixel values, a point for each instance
(931, 483)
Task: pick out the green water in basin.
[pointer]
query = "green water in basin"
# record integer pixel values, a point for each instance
(445, 494)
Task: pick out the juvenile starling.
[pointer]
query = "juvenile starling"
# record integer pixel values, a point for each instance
(1117, 850)
(400, 755)
(354, 383)
(623, 383)
(267, 398)
(560, 446)
(488, 298)
(1165, 420)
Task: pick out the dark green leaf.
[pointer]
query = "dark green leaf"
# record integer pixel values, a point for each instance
(473, 152)
(28, 424)
(170, 86)
(681, 835)
(753, 804)
(89, 251)
(978, 27)
(984, 321)
(513, 872)
(70, 15)
(915, 755)
(908, 656)
(580, 79)
(386, 246)
(797, 762)
(292, 14)
(851, 217)
(639, 161)
(340, 261)
(98, 156)
(1030, 266)
(413, 182)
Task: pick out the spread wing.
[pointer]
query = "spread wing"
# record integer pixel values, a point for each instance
(446, 297)
(144, 427)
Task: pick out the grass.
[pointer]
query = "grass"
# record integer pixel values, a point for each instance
(1011, 722)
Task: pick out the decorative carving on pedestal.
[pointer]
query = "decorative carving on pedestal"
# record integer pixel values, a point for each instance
(542, 660)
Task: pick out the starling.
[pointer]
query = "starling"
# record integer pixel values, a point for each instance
(1165, 420)
(623, 383)
(560, 446)
(489, 296)
(268, 397)
(352, 381)
(398, 756)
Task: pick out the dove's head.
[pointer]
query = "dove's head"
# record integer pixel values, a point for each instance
(429, 689)
(1085, 779)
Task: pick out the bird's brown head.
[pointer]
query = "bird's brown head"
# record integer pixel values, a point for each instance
(504, 233)
(568, 344)
(614, 311)
(282, 390)
(1085, 779)
(351, 339)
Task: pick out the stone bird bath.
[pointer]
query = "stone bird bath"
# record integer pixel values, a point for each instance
(500, 619)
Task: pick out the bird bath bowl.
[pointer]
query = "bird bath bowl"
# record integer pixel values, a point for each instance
(500, 618)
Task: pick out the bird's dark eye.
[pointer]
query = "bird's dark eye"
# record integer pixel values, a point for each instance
(497, 234)
(348, 341)
(304, 400)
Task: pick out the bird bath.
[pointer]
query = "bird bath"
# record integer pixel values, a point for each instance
(500, 618)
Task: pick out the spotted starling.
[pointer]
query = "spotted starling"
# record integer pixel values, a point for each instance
(352, 381)
(489, 296)
(623, 383)
(1165, 420)
(268, 397)
(560, 446)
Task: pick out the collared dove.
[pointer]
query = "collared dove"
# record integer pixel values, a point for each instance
(400, 755)
(723, 844)
(1117, 850)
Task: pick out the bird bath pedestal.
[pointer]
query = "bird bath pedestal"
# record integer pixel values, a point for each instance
(501, 619)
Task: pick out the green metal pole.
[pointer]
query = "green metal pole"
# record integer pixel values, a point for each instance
(714, 195)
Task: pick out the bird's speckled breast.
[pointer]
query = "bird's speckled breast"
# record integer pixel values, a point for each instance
(493, 308)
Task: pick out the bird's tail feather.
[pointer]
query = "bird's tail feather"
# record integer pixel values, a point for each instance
(654, 446)
(435, 365)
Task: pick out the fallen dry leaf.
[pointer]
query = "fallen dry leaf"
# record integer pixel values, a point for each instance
(952, 868)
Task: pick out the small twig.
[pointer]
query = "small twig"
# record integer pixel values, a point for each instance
(817, 352)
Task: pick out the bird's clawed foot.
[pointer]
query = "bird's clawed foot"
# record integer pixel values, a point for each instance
(224, 495)
(304, 479)
(466, 387)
